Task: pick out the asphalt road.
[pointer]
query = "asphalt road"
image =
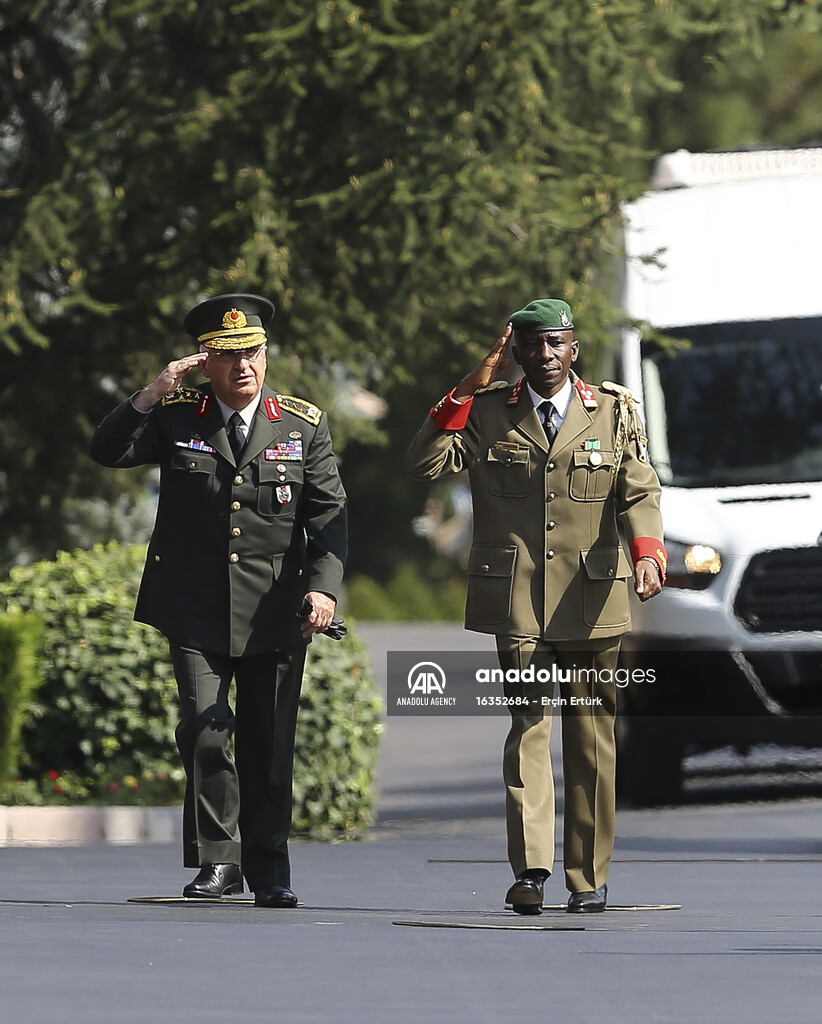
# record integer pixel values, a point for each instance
(409, 926)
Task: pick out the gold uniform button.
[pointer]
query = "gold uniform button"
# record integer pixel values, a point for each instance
(234, 557)
(551, 495)
(551, 525)
(281, 469)
(550, 554)
(551, 465)
(192, 465)
(156, 558)
(238, 479)
(610, 572)
(485, 568)
(235, 506)
(236, 531)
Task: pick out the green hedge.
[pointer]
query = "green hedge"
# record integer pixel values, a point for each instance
(19, 635)
(101, 726)
(435, 595)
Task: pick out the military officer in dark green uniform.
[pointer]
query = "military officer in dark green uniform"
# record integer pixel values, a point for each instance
(562, 494)
(250, 525)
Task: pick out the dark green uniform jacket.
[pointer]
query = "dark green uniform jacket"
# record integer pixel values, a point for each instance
(235, 546)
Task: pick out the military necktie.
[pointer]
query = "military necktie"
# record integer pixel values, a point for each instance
(546, 410)
(236, 434)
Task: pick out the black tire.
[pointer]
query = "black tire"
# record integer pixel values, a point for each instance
(649, 760)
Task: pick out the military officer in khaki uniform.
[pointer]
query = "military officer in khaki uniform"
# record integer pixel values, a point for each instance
(250, 524)
(562, 493)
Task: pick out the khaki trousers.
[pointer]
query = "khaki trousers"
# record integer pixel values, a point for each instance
(588, 755)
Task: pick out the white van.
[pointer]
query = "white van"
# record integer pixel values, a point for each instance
(725, 253)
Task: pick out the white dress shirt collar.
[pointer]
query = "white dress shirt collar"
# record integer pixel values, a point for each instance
(560, 401)
(247, 415)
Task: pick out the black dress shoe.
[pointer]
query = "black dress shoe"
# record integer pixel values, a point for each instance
(215, 880)
(593, 902)
(275, 896)
(525, 895)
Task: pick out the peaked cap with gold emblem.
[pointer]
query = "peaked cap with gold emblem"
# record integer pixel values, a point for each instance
(230, 322)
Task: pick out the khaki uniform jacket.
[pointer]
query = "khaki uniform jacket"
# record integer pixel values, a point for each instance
(235, 547)
(552, 530)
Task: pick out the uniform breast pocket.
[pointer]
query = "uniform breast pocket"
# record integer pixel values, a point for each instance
(194, 470)
(591, 475)
(509, 470)
(278, 487)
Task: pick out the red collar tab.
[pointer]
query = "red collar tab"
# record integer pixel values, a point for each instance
(586, 394)
(272, 408)
(204, 406)
(516, 391)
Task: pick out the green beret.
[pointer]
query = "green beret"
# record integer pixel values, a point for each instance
(543, 315)
(230, 322)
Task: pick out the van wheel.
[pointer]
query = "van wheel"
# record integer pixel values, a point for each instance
(648, 761)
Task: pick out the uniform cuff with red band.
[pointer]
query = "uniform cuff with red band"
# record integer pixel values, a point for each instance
(650, 547)
(451, 415)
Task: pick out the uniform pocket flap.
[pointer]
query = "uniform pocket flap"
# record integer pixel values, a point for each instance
(606, 564)
(485, 560)
(194, 462)
(508, 455)
(594, 459)
(268, 473)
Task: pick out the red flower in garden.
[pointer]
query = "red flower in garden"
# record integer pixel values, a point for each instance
(52, 774)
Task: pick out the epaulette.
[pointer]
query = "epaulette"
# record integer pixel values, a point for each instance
(628, 424)
(495, 385)
(620, 391)
(183, 394)
(301, 408)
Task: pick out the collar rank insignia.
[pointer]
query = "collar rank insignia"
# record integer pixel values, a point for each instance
(301, 408)
(204, 406)
(587, 395)
(516, 391)
(272, 409)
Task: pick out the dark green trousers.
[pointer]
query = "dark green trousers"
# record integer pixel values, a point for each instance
(237, 809)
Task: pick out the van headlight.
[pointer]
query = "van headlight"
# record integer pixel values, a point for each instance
(692, 566)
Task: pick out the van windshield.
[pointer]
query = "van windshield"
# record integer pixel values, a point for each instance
(736, 404)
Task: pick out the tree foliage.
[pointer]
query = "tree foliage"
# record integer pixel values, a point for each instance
(397, 175)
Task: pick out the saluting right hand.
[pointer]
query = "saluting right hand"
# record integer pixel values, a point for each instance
(488, 370)
(168, 381)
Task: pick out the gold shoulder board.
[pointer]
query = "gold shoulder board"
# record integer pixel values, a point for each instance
(619, 390)
(301, 408)
(183, 394)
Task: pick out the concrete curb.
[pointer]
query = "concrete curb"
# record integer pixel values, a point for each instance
(81, 826)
